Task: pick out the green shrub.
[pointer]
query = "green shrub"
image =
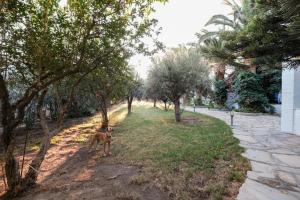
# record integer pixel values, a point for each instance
(220, 93)
(252, 97)
(198, 102)
(211, 105)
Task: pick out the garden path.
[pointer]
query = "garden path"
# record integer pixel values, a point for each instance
(274, 156)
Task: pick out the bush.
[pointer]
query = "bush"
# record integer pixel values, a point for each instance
(220, 93)
(211, 105)
(198, 102)
(252, 97)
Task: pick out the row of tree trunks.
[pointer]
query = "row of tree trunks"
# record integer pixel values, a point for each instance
(165, 102)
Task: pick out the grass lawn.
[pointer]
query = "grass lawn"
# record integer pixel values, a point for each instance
(189, 160)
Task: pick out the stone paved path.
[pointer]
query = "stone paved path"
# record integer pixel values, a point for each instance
(274, 156)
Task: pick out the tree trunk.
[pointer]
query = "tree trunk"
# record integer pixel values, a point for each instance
(12, 170)
(62, 105)
(220, 72)
(8, 123)
(61, 116)
(154, 103)
(129, 104)
(104, 124)
(32, 174)
(104, 105)
(177, 110)
(165, 105)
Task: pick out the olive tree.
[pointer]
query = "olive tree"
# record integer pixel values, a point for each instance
(154, 89)
(108, 85)
(178, 72)
(133, 86)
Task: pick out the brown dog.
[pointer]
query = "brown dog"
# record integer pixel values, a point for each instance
(103, 138)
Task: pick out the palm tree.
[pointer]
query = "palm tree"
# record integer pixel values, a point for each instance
(239, 19)
(212, 47)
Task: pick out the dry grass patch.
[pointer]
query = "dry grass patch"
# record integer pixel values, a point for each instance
(139, 179)
(127, 196)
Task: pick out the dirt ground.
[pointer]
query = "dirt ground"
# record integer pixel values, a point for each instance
(83, 175)
(70, 172)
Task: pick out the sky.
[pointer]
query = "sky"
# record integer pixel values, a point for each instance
(180, 20)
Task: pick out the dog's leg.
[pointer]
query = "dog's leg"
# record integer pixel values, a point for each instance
(92, 143)
(108, 144)
(104, 148)
(97, 144)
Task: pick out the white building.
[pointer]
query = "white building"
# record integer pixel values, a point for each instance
(290, 115)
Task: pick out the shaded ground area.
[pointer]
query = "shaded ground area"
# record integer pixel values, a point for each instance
(274, 156)
(90, 176)
(153, 158)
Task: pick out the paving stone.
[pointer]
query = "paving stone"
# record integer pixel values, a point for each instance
(281, 151)
(288, 169)
(260, 175)
(241, 132)
(245, 138)
(253, 190)
(290, 160)
(288, 178)
(261, 167)
(295, 193)
(258, 155)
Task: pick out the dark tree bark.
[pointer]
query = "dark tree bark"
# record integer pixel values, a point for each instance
(32, 174)
(104, 105)
(165, 102)
(154, 103)
(220, 72)
(104, 115)
(129, 104)
(177, 110)
(8, 123)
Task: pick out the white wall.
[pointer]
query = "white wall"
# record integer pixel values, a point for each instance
(290, 115)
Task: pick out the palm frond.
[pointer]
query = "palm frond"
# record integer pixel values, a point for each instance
(205, 34)
(215, 50)
(220, 20)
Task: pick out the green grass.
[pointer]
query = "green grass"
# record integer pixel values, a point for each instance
(151, 134)
(150, 137)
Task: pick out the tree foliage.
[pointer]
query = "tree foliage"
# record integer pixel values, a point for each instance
(220, 93)
(178, 72)
(252, 97)
(42, 43)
